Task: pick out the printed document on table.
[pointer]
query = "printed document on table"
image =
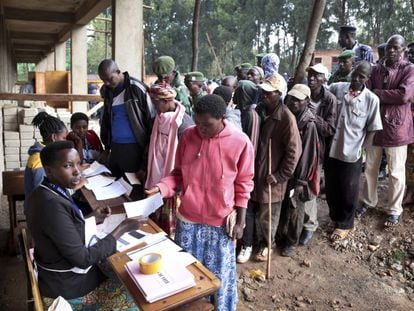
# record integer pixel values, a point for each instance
(98, 181)
(143, 207)
(111, 191)
(95, 169)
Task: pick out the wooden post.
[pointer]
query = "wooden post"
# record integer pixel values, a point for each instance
(196, 22)
(313, 28)
(269, 233)
(214, 54)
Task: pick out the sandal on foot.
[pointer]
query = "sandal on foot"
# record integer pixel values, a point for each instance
(361, 210)
(392, 221)
(339, 234)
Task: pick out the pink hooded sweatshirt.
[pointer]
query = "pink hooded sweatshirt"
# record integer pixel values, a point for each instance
(215, 175)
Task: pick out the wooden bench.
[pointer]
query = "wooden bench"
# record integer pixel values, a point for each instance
(13, 188)
(34, 299)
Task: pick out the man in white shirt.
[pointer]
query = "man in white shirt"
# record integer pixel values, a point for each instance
(358, 119)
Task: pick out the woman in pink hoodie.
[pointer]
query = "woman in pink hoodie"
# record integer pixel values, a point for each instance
(214, 168)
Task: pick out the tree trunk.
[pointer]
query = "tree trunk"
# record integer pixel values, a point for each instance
(196, 22)
(343, 18)
(213, 52)
(309, 48)
(412, 5)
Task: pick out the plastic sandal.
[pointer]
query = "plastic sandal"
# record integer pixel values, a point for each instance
(392, 221)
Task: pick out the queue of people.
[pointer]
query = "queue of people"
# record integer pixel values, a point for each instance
(221, 157)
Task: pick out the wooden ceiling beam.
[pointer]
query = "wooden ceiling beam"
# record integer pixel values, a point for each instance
(31, 47)
(33, 36)
(38, 16)
(29, 53)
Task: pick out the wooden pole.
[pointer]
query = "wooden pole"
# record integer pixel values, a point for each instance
(214, 54)
(311, 34)
(269, 233)
(196, 22)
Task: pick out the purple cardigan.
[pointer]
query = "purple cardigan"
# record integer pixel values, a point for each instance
(394, 85)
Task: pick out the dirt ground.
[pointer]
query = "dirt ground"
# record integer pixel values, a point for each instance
(372, 270)
(350, 275)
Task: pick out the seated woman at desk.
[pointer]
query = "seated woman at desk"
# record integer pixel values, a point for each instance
(66, 267)
(214, 166)
(86, 141)
(169, 124)
(52, 129)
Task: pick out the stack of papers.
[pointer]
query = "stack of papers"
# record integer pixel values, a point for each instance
(113, 190)
(98, 181)
(155, 243)
(143, 207)
(95, 169)
(173, 278)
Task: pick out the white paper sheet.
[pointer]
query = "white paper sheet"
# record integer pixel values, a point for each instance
(96, 168)
(143, 207)
(126, 185)
(132, 178)
(109, 224)
(113, 190)
(98, 181)
(90, 231)
(166, 248)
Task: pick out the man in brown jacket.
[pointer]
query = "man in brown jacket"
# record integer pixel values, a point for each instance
(279, 126)
(324, 107)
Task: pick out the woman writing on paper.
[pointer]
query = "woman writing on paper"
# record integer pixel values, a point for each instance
(214, 169)
(66, 267)
(169, 125)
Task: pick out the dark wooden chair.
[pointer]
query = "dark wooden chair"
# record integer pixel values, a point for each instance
(13, 188)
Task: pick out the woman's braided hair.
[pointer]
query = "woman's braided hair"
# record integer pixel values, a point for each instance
(48, 124)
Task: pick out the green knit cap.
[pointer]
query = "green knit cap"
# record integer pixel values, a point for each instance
(163, 65)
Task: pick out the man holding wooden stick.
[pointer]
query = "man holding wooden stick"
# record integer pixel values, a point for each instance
(279, 126)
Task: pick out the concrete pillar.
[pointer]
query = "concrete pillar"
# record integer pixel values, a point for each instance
(79, 67)
(50, 60)
(41, 66)
(60, 56)
(127, 37)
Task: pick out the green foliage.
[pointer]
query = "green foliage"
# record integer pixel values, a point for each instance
(239, 29)
(23, 69)
(397, 255)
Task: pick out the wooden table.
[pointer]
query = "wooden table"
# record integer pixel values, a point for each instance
(207, 283)
(13, 188)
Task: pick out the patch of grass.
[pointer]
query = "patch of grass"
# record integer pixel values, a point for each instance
(397, 255)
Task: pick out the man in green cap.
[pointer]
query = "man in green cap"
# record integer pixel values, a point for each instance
(241, 71)
(194, 81)
(164, 68)
(343, 74)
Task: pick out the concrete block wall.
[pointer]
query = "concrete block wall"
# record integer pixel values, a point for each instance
(19, 133)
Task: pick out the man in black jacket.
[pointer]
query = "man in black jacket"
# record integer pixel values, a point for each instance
(126, 123)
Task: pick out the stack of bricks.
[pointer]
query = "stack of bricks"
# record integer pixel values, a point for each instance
(64, 115)
(19, 135)
(27, 138)
(11, 137)
(26, 115)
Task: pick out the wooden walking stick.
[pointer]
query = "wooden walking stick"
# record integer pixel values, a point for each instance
(269, 233)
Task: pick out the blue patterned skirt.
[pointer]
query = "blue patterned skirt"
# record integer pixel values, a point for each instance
(215, 250)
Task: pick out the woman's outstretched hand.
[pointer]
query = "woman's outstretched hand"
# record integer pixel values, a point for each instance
(152, 191)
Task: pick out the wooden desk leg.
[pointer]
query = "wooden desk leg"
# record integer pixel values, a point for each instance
(12, 215)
